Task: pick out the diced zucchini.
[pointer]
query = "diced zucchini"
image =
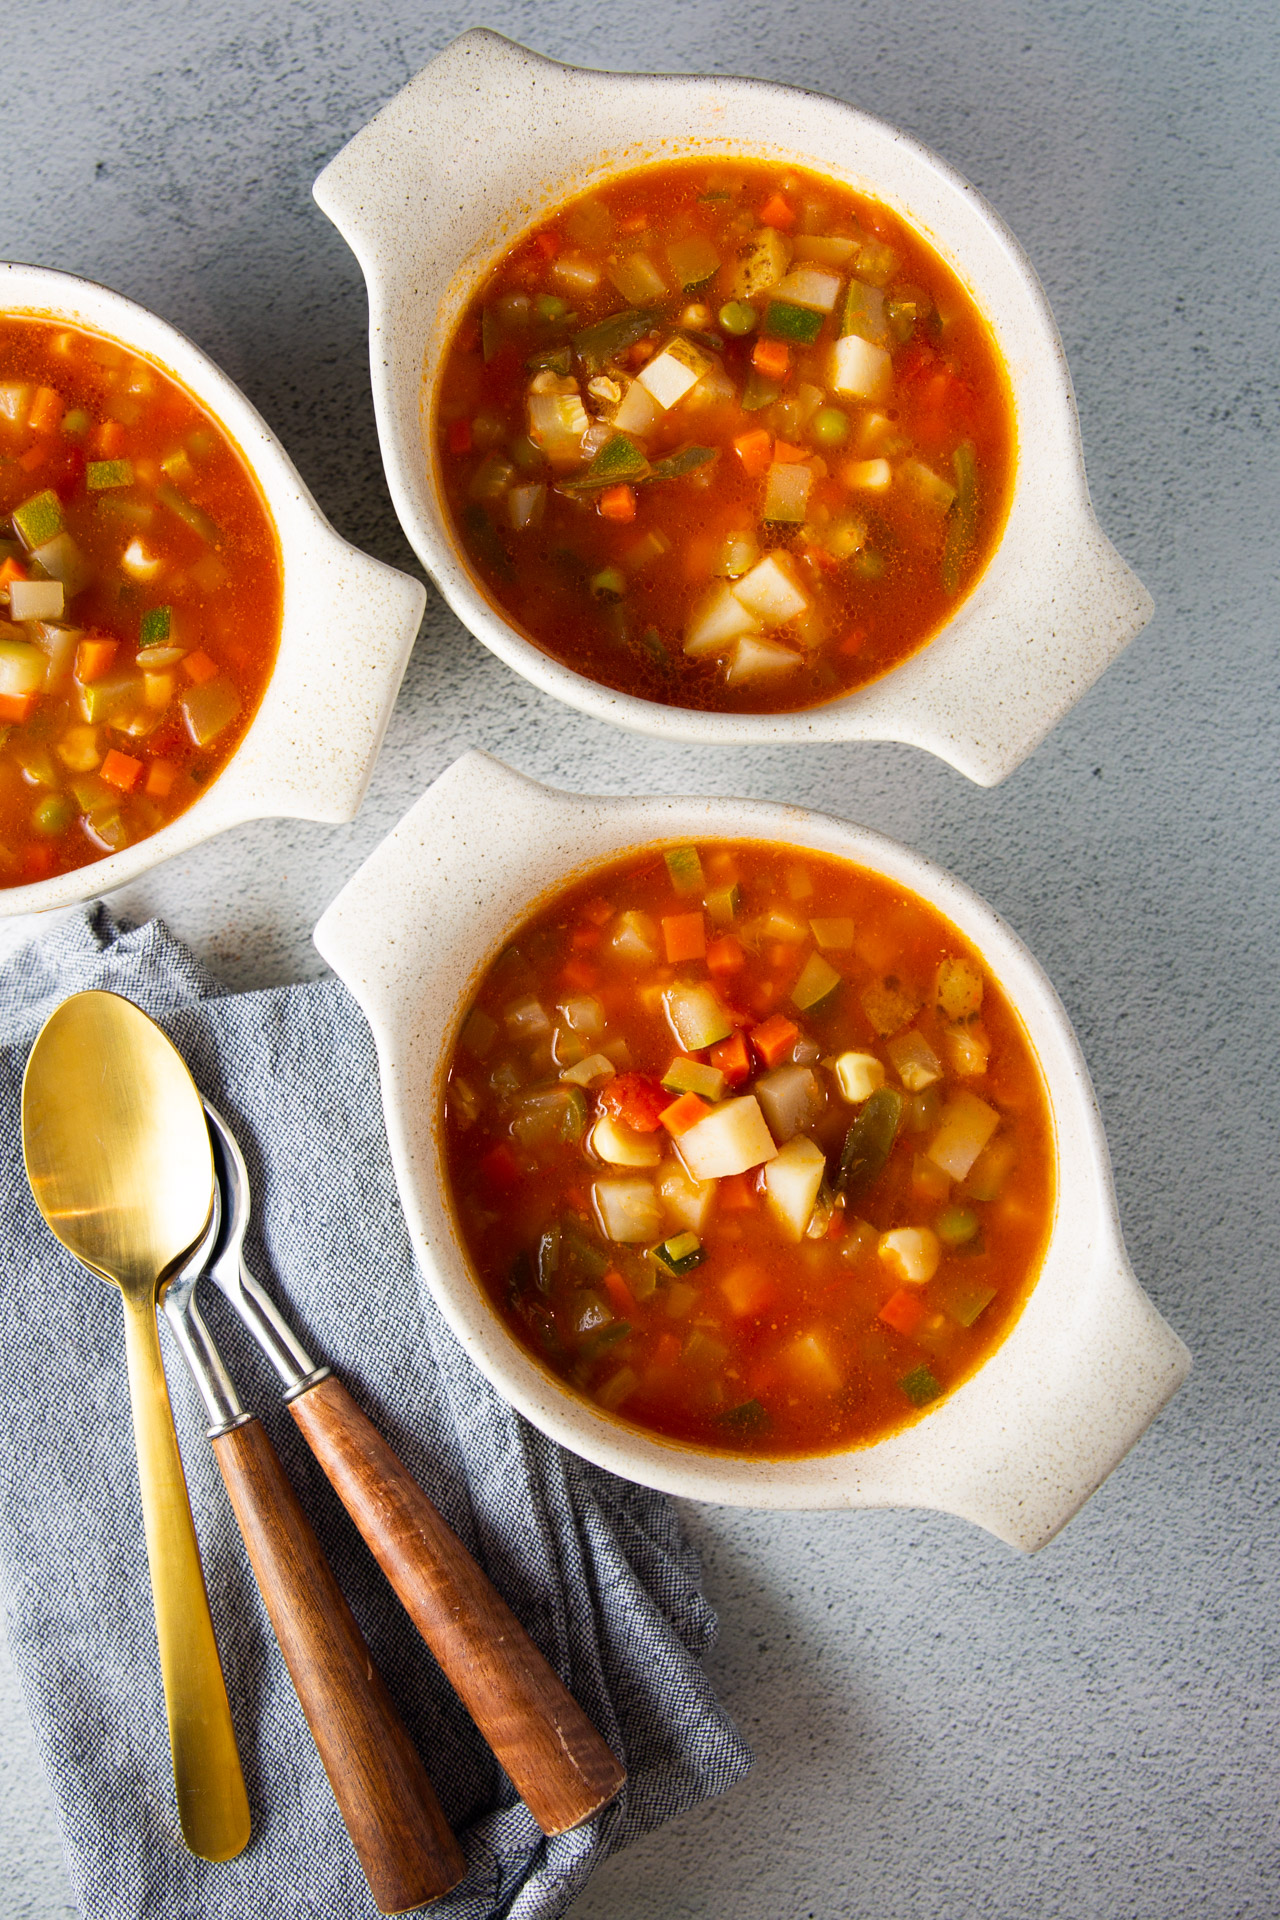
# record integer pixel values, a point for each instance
(38, 519)
(686, 1202)
(62, 560)
(724, 903)
(697, 1016)
(685, 870)
(733, 1138)
(859, 370)
(863, 314)
(929, 487)
(791, 1180)
(791, 1098)
(101, 475)
(783, 320)
(753, 659)
(478, 1033)
(627, 1210)
(966, 1126)
(758, 392)
(619, 1146)
(771, 592)
(962, 1300)
(693, 261)
(680, 1254)
(693, 1076)
(591, 1072)
(858, 1076)
(492, 480)
(786, 493)
(962, 524)
(914, 1060)
(912, 1254)
(920, 1386)
(818, 981)
(716, 620)
(991, 1169)
(835, 936)
(544, 1119)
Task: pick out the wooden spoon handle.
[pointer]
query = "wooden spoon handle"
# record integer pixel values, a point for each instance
(404, 1843)
(552, 1754)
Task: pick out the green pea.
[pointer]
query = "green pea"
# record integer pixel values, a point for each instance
(830, 427)
(549, 306)
(53, 815)
(737, 317)
(955, 1225)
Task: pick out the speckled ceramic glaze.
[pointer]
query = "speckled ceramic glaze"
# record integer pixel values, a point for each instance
(349, 622)
(491, 137)
(1021, 1444)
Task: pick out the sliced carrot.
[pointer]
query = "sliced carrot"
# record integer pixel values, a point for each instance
(777, 213)
(160, 778)
(634, 223)
(107, 439)
(46, 411)
(736, 1194)
(37, 862)
(499, 1166)
(763, 998)
(725, 955)
(121, 770)
(578, 973)
(93, 657)
(855, 640)
(732, 1058)
(585, 938)
(34, 456)
(685, 935)
(619, 1292)
(459, 436)
(12, 570)
(199, 667)
(786, 455)
(774, 1040)
(748, 1290)
(684, 1113)
(903, 1311)
(16, 706)
(597, 911)
(755, 450)
(666, 1351)
(617, 504)
(772, 358)
(820, 558)
(548, 244)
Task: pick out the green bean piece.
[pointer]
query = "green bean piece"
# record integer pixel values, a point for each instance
(962, 521)
(868, 1143)
(596, 345)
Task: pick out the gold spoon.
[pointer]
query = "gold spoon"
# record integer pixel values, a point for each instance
(117, 1153)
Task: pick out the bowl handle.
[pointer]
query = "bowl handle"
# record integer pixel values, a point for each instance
(1073, 1427)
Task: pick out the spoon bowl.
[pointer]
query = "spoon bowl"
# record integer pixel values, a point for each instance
(118, 1157)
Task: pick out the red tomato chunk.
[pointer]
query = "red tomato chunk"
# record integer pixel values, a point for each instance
(779, 1237)
(725, 437)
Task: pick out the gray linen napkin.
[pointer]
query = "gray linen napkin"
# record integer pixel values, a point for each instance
(597, 1569)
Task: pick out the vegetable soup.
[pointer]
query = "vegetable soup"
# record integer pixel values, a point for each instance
(725, 436)
(140, 598)
(746, 1145)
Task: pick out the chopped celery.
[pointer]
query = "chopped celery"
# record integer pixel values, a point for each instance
(963, 1300)
(818, 981)
(195, 517)
(596, 345)
(962, 523)
(868, 1143)
(920, 1386)
(783, 320)
(208, 709)
(609, 584)
(102, 474)
(746, 1419)
(864, 314)
(38, 519)
(692, 1076)
(685, 869)
(680, 1254)
(685, 461)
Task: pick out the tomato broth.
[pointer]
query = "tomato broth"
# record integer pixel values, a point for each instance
(746, 1145)
(724, 435)
(140, 598)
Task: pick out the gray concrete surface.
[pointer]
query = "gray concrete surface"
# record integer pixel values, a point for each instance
(944, 1730)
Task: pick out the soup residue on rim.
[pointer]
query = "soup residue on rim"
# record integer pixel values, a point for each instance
(141, 595)
(725, 435)
(746, 1145)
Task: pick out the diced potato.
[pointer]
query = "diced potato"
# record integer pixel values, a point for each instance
(671, 373)
(811, 1364)
(810, 287)
(771, 591)
(574, 275)
(914, 1060)
(858, 1076)
(620, 1146)
(62, 560)
(966, 1126)
(760, 265)
(639, 411)
(583, 1014)
(687, 1203)
(959, 988)
(786, 492)
(22, 667)
(732, 1139)
(832, 250)
(697, 1017)
(791, 1181)
(717, 619)
(526, 1019)
(634, 939)
(627, 1210)
(79, 749)
(638, 280)
(759, 660)
(859, 370)
(791, 1099)
(37, 599)
(929, 487)
(867, 476)
(911, 1253)
(968, 1051)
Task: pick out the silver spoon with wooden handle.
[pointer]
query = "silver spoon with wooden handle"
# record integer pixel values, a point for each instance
(556, 1760)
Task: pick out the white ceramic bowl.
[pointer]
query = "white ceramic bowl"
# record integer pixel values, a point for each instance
(348, 627)
(1016, 1448)
(490, 137)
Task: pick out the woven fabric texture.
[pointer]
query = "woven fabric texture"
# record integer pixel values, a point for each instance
(597, 1569)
